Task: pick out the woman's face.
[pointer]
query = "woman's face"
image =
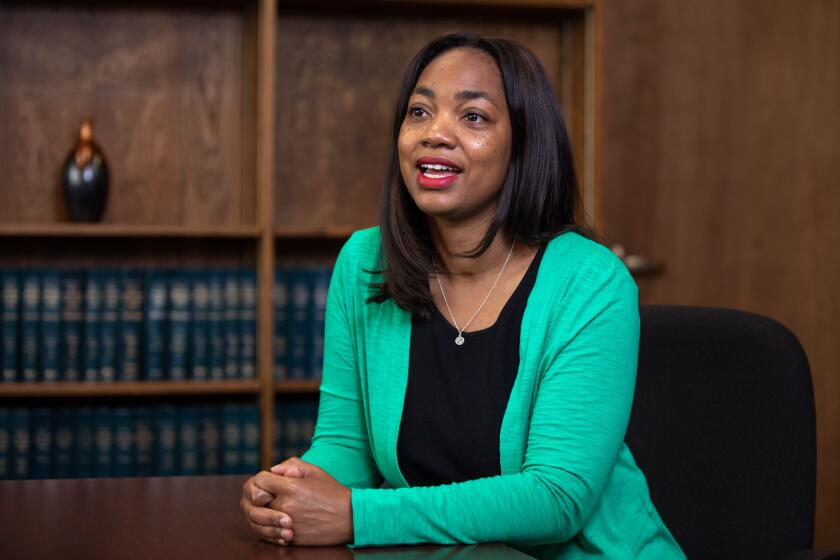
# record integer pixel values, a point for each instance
(454, 143)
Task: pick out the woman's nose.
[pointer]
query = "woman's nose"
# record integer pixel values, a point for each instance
(439, 132)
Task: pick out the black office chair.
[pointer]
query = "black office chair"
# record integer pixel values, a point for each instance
(723, 427)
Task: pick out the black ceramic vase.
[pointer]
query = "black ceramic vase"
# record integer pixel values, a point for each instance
(85, 178)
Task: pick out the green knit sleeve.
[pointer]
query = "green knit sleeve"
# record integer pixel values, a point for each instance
(586, 377)
(341, 445)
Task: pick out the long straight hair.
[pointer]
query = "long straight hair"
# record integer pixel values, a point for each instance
(539, 199)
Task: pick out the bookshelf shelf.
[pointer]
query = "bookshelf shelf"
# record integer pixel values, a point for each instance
(128, 389)
(127, 231)
(331, 234)
(290, 386)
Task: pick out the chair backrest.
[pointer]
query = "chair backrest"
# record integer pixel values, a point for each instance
(723, 426)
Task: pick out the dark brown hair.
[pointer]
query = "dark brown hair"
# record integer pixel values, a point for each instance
(539, 198)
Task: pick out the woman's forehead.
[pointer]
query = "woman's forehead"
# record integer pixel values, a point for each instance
(459, 72)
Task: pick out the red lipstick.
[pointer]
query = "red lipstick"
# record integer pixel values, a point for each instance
(436, 172)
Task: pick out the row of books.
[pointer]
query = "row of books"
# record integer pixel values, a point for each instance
(161, 440)
(155, 324)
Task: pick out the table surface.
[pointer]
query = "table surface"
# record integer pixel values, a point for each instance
(174, 517)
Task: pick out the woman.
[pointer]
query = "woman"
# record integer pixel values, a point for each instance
(480, 349)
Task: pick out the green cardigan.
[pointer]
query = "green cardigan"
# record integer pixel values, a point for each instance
(569, 487)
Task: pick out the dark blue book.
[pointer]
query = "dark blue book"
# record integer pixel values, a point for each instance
(188, 441)
(288, 432)
(210, 438)
(131, 326)
(199, 331)
(9, 333)
(20, 443)
(215, 325)
(320, 286)
(30, 362)
(154, 327)
(249, 415)
(300, 315)
(166, 441)
(277, 435)
(179, 323)
(50, 324)
(72, 308)
(144, 440)
(103, 441)
(64, 442)
(231, 439)
(123, 442)
(91, 362)
(309, 416)
(230, 324)
(281, 318)
(42, 432)
(248, 323)
(5, 443)
(84, 455)
(109, 325)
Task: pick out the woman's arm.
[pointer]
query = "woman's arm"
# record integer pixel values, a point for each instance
(341, 445)
(577, 428)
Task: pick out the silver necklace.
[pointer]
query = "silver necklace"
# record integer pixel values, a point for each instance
(459, 340)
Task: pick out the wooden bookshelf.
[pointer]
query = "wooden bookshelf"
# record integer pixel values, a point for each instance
(128, 389)
(68, 230)
(297, 386)
(220, 124)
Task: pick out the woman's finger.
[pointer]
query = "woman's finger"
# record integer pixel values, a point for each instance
(272, 534)
(269, 517)
(254, 494)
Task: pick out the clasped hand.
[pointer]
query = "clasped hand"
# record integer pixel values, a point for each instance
(298, 501)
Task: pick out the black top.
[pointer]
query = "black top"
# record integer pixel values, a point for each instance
(457, 395)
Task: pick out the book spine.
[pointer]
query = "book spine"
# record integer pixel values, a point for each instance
(155, 324)
(231, 439)
(144, 439)
(307, 425)
(320, 287)
(179, 321)
(215, 325)
(299, 323)
(109, 325)
(30, 325)
(50, 324)
(64, 442)
(188, 441)
(11, 312)
(123, 442)
(104, 441)
(281, 334)
(131, 326)
(85, 442)
(166, 444)
(290, 430)
(210, 439)
(250, 451)
(231, 324)
(42, 432)
(248, 323)
(92, 325)
(20, 443)
(5, 443)
(200, 358)
(72, 297)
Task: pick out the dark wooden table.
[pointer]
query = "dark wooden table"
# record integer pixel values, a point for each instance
(149, 518)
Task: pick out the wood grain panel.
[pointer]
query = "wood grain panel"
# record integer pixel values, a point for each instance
(338, 78)
(164, 89)
(723, 130)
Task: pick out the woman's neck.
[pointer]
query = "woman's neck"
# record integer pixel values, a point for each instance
(453, 240)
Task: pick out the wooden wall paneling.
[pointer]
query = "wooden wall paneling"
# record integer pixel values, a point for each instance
(338, 85)
(164, 89)
(266, 84)
(721, 158)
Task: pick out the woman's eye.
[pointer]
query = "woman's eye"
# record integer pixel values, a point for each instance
(417, 112)
(473, 117)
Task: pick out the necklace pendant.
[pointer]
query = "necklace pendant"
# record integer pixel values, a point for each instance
(459, 340)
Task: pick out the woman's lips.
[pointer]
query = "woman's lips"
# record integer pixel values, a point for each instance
(441, 180)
